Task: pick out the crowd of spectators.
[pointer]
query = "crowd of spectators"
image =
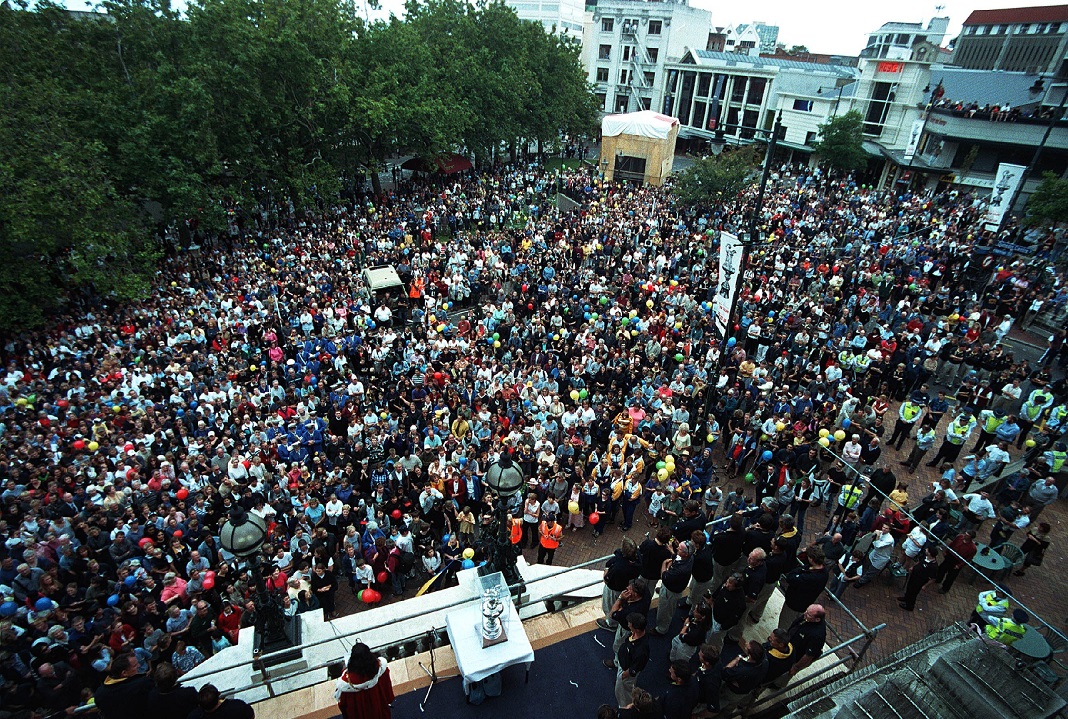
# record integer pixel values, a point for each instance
(262, 373)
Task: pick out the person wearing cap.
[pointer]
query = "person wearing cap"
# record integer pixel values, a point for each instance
(957, 433)
(989, 421)
(1007, 629)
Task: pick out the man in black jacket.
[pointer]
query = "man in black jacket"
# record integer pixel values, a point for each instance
(652, 553)
(728, 606)
(692, 520)
(681, 696)
(620, 569)
(674, 576)
(760, 534)
(703, 568)
(727, 549)
(775, 565)
(636, 598)
(124, 693)
(167, 700)
(803, 586)
(631, 658)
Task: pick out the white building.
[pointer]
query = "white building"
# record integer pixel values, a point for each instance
(721, 91)
(562, 16)
(894, 40)
(626, 45)
(751, 38)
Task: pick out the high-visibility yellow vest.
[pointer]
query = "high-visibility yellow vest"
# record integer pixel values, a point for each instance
(992, 422)
(1031, 411)
(986, 606)
(1005, 630)
(910, 411)
(1059, 458)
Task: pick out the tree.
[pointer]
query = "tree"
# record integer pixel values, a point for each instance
(1049, 202)
(797, 49)
(718, 180)
(841, 142)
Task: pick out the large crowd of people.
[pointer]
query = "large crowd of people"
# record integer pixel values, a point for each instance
(263, 374)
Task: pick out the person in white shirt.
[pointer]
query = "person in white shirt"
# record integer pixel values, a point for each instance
(882, 548)
(977, 509)
(851, 450)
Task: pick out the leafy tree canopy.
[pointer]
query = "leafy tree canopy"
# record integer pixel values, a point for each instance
(718, 180)
(1049, 202)
(841, 142)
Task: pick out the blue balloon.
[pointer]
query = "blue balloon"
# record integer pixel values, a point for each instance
(445, 539)
(468, 564)
(192, 405)
(113, 600)
(8, 609)
(847, 423)
(130, 581)
(766, 457)
(731, 341)
(44, 604)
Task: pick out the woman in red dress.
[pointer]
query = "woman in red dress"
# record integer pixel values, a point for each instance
(364, 690)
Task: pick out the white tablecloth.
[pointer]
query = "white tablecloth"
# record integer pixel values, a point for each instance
(476, 663)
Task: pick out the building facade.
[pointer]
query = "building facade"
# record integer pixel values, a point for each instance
(722, 91)
(627, 44)
(894, 40)
(562, 16)
(1028, 39)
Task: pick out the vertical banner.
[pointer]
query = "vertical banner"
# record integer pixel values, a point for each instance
(1005, 184)
(730, 266)
(914, 139)
(713, 103)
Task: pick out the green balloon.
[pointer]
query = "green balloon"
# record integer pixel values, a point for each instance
(496, 335)
(594, 315)
(661, 465)
(625, 321)
(583, 394)
(750, 478)
(359, 595)
(679, 357)
(603, 300)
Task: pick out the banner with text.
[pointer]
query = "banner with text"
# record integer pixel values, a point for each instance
(730, 266)
(914, 139)
(1006, 181)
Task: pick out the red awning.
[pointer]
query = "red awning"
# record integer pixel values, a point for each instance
(442, 164)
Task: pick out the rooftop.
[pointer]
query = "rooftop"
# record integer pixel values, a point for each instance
(732, 59)
(986, 86)
(1047, 13)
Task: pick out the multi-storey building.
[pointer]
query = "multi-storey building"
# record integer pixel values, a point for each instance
(563, 16)
(894, 40)
(1026, 39)
(627, 44)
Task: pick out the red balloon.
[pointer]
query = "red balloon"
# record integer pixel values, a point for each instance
(177, 534)
(209, 582)
(595, 518)
(382, 577)
(63, 403)
(182, 493)
(78, 445)
(530, 305)
(438, 376)
(145, 542)
(370, 596)
(210, 574)
(396, 514)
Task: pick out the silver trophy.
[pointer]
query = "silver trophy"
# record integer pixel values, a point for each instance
(492, 609)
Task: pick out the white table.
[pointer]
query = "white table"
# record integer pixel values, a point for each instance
(476, 663)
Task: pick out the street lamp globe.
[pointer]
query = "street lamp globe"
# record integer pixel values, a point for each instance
(504, 477)
(243, 534)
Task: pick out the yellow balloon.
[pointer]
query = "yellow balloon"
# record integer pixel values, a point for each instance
(93, 446)
(839, 435)
(1029, 443)
(497, 344)
(649, 303)
(469, 553)
(634, 333)
(574, 394)
(824, 432)
(573, 507)
(662, 474)
(633, 314)
(710, 438)
(441, 328)
(779, 426)
(824, 442)
(433, 319)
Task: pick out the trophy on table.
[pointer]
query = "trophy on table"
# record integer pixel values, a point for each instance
(492, 609)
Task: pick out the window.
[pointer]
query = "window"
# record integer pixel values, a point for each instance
(756, 90)
(607, 24)
(803, 105)
(653, 53)
(645, 102)
(602, 98)
(628, 52)
(623, 77)
(810, 138)
(704, 82)
(604, 52)
(980, 29)
(902, 39)
(650, 78)
(602, 74)
(621, 103)
(738, 91)
(882, 96)
(995, 30)
(656, 27)
(698, 117)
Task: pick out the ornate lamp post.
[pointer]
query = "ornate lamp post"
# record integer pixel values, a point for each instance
(504, 479)
(243, 536)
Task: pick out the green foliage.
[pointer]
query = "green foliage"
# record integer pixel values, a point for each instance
(718, 180)
(1049, 202)
(120, 125)
(841, 142)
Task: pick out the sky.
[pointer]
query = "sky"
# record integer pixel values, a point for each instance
(837, 27)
